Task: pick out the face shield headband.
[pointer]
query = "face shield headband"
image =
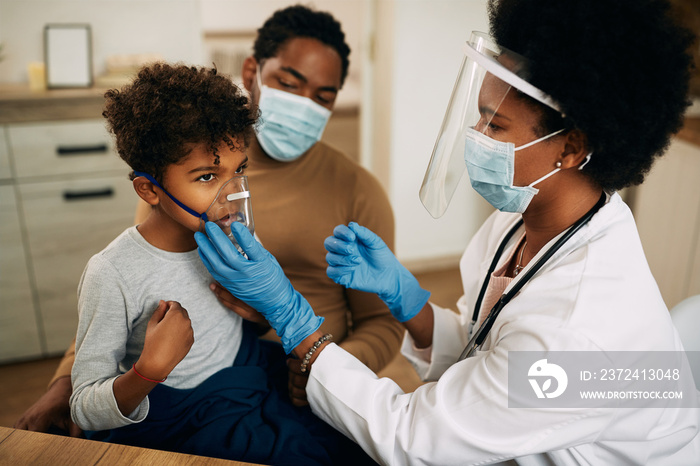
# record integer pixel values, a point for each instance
(231, 204)
(487, 75)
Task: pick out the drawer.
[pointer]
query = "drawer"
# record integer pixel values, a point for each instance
(67, 223)
(19, 334)
(62, 148)
(5, 172)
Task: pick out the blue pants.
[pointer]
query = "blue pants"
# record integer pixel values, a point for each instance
(243, 413)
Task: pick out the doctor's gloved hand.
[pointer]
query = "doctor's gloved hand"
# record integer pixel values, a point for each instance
(258, 281)
(359, 259)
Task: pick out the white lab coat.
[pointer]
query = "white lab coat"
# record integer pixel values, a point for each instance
(596, 293)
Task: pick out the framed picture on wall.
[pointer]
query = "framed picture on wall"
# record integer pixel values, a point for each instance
(68, 55)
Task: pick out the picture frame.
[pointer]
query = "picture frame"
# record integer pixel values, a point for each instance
(68, 55)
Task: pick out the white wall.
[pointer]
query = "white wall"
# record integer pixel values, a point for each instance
(249, 15)
(246, 16)
(170, 28)
(428, 36)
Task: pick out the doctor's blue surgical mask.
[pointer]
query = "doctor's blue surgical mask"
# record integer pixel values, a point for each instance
(491, 168)
(289, 124)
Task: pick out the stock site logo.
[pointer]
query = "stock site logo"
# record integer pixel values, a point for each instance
(542, 373)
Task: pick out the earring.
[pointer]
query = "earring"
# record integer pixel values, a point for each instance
(558, 164)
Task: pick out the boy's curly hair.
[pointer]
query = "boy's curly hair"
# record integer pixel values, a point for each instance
(618, 69)
(167, 108)
(301, 21)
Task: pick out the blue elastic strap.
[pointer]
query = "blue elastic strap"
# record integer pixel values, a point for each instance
(183, 206)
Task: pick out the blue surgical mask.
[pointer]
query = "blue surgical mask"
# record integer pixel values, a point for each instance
(289, 124)
(491, 167)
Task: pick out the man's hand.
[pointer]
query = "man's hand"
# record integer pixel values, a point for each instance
(297, 382)
(52, 409)
(236, 305)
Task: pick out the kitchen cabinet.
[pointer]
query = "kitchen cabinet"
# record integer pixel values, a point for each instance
(19, 329)
(67, 222)
(19, 332)
(64, 195)
(5, 173)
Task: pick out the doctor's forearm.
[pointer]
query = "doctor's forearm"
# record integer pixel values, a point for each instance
(307, 344)
(421, 327)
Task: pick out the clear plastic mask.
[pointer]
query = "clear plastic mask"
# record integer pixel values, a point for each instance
(232, 204)
(488, 74)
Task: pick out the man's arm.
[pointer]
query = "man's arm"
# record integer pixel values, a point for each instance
(53, 408)
(65, 365)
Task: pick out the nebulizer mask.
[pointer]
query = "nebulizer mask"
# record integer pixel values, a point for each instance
(231, 204)
(488, 75)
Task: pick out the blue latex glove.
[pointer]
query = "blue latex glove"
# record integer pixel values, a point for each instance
(257, 280)
(359, 259)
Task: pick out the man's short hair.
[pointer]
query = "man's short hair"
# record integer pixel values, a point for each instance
(301, 21)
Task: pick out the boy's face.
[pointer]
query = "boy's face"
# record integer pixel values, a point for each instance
(303, 66)
(196, 180)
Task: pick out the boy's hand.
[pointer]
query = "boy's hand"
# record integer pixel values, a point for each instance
(236, 305)
(169, 337)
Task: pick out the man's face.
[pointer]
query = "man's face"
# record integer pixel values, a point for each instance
(305, 67)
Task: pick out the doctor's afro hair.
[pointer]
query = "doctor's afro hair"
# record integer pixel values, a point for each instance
(301, 21)
(159, 116)
(619, 70)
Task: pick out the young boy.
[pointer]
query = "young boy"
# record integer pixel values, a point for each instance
(160, 363)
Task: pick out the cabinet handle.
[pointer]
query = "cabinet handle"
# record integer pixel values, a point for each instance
(65, 151)
(90, 194)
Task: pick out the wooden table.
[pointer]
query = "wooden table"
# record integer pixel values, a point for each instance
(20, 105)
(20, 447)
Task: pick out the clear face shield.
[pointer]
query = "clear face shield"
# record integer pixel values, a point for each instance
(487, 75)
(232, 204)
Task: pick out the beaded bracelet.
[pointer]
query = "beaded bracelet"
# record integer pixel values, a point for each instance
(312, 350)
(133, 366)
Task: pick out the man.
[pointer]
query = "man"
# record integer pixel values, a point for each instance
(302, 188)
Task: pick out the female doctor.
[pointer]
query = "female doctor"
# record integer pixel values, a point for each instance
(564, 104)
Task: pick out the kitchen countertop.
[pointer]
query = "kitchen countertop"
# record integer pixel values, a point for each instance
(20, 105)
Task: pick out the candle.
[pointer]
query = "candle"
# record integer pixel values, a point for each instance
(37, 76)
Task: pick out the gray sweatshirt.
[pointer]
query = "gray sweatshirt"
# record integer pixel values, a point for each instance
(118, 292)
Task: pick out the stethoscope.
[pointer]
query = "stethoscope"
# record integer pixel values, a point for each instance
(479, 337)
